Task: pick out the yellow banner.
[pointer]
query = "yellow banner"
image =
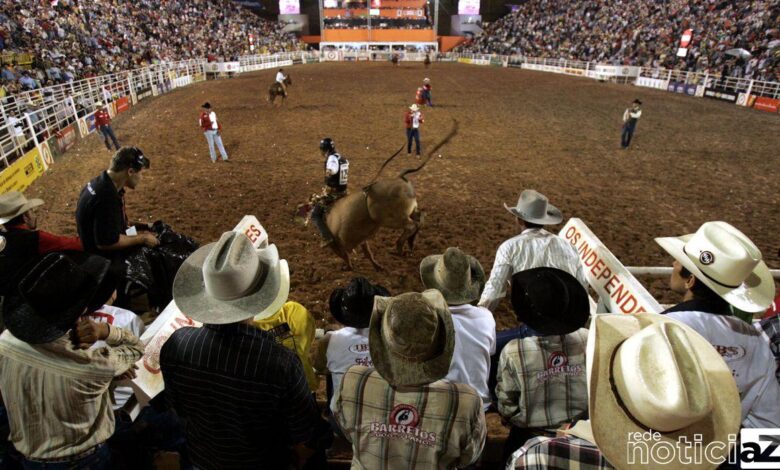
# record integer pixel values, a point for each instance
(22, 172)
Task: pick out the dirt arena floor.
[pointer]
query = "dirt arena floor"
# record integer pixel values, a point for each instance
(692, 160)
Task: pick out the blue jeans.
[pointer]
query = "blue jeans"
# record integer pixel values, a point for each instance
(213, 137)
(628, 132)
(98, 460)
(109, 133)
(412, 134)
(502, 339)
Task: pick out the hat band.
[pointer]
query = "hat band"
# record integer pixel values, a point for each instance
(712, 278)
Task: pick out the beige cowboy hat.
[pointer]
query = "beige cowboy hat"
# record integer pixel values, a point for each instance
(98, 104)
(426, 80)
(411, 338)
(726, 261)
(229, 281)
(14, 204)
(533, 206)
(459, 277)
(649, 372)
(414, 107)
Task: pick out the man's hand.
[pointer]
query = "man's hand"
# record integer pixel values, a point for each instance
(149, 239)
(130, 374)
(88, 332)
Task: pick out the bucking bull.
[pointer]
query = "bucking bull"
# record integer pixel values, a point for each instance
(276, 90)
(388, 202)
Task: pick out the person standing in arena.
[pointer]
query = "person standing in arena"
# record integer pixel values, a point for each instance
(211, 129)
(336, 176)
(427, 92)
(413, 119)
(280, 77)
(630, 118)
(103, 123)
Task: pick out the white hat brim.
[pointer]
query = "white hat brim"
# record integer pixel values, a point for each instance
(755, 294)
(30, 204)
(552, 217)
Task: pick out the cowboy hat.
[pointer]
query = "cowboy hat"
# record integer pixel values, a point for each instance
(534, 207)
(411, 338)
(229, 281)
(726, 261)
(649, 372)
(550, 301)
(353, 306)
(98, 104)
(414, 107)
(426, 80)
(55, 293)
(459, 277)
(14, 204)
(206, 105)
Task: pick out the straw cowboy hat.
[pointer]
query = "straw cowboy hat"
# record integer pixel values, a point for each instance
(229, 281)
(726, 261)
(411, 338)
(14, 204)
(459, 277)
(98, 104)
(414, 107)
(646, 371)
(353, 306)
(550, 301)
(55, 293)
(534, 207)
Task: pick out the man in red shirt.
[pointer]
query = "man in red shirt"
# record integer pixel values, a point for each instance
(413, 119)
(211, 129)
(23, 245)
(103, 123)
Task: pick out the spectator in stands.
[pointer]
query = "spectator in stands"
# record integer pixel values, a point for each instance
(230, 371)
(8, 73)
(27, 82)
(460, 279)
(341, 349)
(541, 379)
(716, 269)
(211, 129)
(413, 119)
(25, 245)
(16, 129)
(402, 414)
(103, 123)
(45, 364)
(630, 119)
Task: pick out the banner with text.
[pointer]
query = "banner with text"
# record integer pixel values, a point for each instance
(22, 172)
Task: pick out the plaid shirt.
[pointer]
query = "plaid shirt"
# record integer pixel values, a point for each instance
(560, 453)
(771, 326)
(541, 380)
(439, 425)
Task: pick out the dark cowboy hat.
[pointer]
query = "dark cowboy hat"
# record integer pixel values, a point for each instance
(353, 305)
(55, 293)
(206, 105)
(550, 301)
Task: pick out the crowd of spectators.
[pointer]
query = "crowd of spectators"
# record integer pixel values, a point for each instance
(411, 376)
(643, 33)
(72, 39)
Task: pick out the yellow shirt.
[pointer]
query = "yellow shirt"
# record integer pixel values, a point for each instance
(293, 327)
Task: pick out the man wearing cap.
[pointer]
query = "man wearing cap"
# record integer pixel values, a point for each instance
(211, 129)
(57, 390)
(427, 91)
(413, 119)
(646, 372)
(244, 397)
(541, 379)
(343, 348)
(402, 414)
(718, 269)
(103, 123)
(630, 119)
(336, 179)
(24, 244)
(460, 279)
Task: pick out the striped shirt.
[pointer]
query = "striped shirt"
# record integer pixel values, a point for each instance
(439, 425)
(244, 398)
(533, 248)
(560, 453)
(58, 397)
(542, 381)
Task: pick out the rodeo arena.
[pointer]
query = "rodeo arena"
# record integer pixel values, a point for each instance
(389, 234)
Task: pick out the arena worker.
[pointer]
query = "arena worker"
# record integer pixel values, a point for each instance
(103, 123)
(229, 371)
(716, 269)
(401, 413)
(460, 279)
(336, 179)
(630, 119)
(413, 119)
(211, 129)
(541, 382)
(427, 91)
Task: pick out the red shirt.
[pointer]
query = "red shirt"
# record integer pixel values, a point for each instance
(205, 122)
(48, 242)
(408, 119)
(102, 118)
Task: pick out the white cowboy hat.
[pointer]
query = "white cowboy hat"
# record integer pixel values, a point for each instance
(414, 107)
(411, 338)
(649, 372)
(98, 104)
(426, 80)
(13, 204)
(726, 261)
(459, 277)
(229, 281)
(534, 207)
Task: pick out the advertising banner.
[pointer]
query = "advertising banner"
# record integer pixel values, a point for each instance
(22, 172)
(616, 287)
(122, 104)
(721, 94)
(648, 82)
(66, 139)
(142, 93)
(46, 155)
(222, 67)
(90, 121)
(770, 105)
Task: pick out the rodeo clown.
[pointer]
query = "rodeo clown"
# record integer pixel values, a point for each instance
(336, 175)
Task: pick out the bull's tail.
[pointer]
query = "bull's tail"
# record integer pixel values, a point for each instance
(453, 132)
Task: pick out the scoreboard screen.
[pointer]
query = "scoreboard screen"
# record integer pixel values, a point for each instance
(289, 7)
(468, 7)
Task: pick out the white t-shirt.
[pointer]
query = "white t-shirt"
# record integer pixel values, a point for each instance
(120, 318)
(748, 354)
(475, 342)
(416, 120)
(279, 77)
(346, 347)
